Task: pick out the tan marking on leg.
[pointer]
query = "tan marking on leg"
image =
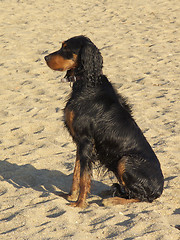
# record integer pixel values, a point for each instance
(120, 171)
(73, 195)
(85, 184)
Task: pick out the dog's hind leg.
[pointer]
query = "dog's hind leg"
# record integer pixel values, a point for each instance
(120, 190)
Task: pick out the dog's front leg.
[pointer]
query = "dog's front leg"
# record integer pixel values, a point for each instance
(73, 195)
(85, 184)
(85, 156)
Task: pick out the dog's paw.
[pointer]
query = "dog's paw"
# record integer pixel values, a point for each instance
(118, 201)
(72, 197)
(114, 201)
(79, 204)
(64, 80)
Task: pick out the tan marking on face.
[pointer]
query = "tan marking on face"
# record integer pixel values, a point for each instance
(57, 62)
(64, 44)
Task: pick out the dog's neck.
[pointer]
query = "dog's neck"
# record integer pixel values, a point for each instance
(79, 79)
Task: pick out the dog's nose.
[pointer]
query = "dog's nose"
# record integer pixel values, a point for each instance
(46, 58)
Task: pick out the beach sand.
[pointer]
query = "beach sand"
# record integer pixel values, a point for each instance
(139, 41)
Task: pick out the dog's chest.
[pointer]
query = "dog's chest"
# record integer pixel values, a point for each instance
(69, 118)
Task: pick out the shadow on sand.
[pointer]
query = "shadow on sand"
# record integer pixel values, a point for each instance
(42, 180)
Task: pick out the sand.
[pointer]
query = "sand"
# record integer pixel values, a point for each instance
(139, 41)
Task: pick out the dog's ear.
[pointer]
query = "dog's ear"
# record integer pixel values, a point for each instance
(91, 60)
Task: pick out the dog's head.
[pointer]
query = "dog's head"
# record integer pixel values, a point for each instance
(77, 53)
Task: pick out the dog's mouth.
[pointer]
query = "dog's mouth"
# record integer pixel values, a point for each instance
(58, 63)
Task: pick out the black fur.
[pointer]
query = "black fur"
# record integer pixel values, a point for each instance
(104, 129)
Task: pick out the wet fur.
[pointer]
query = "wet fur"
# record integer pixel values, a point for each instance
(104, 130)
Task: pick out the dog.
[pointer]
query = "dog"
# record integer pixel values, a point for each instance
(101, 124)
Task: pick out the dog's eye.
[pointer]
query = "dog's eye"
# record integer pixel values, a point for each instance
(66, 49)
(66, 52)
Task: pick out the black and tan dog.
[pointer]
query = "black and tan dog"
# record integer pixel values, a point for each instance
(100, 123)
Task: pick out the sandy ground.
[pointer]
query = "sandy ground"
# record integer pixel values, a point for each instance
(139, 41)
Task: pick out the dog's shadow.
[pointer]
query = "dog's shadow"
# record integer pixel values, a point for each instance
(42, 180)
